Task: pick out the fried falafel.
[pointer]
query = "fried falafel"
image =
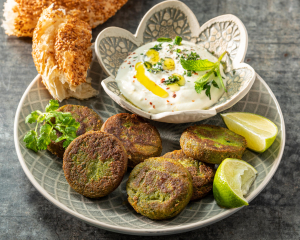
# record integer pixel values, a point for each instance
(140, 139)
(88, 119)
(202, 174)
(212, 144)
(95, 163)
(159, 188)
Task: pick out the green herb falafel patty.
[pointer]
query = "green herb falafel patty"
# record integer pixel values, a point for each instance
(95, 163)
(212, 144)
(202, 174)
(159, 188)
(88, 119)
(140, 139)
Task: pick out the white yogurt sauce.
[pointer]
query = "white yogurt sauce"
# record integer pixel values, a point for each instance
(184, 99)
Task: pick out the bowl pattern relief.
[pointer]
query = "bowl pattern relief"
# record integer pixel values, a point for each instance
(224, 33)
(169, 22)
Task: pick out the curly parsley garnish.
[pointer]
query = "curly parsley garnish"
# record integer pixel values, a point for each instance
(64, 123)
(203, 83)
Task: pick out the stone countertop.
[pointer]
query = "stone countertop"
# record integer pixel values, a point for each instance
(273, 27)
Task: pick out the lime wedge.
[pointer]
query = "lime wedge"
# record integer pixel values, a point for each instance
(259, 131)
(232, 181)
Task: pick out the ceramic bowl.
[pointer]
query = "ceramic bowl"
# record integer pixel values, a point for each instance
(169, 19)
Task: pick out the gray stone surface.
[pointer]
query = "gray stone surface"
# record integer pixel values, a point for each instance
(273, 27)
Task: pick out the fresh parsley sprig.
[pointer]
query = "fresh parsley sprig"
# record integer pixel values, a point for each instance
(203, 83)
(64, 123)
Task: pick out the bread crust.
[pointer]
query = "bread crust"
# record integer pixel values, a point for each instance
(27, 12)
(62, 54)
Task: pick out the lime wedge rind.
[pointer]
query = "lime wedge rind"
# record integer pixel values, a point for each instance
(260, 132)
(229, 186)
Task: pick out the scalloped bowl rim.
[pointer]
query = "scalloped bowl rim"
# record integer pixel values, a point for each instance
(137, 37)
(147, 232)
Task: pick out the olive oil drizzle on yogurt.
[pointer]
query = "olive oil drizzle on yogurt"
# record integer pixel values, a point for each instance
(149, 84)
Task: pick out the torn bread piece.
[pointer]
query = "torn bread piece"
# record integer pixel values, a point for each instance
(21, 16)
(62, 54)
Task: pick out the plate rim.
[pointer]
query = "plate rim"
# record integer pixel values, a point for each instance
(152, 231)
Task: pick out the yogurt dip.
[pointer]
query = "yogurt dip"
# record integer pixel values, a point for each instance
(147, 89)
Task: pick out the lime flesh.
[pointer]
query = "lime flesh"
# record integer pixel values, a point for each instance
(232, 181)
(259, 131)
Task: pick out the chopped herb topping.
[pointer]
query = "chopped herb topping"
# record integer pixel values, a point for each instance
(157, 47)
(148, 65)
(158, 67)
(172, 79)
(163, 39)
(188, 73)
(192, 56)
(177, 40)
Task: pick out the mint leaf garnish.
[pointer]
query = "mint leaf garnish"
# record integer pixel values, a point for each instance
(203, 83)
(197, 65)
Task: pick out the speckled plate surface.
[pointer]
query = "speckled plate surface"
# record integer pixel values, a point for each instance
(113, 212)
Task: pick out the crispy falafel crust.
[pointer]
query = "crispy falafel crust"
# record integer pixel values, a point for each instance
(95, 164)
(202, 174)
(159, 188)
(212, 144)
(140, 139)
(88, 119)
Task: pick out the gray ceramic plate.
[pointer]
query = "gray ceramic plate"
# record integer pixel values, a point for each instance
(113, 212)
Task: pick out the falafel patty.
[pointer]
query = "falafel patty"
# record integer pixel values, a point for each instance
(202, 174)
(95, 163)
(88, 119)
(159, 188)
(212, 144)
(140, 139)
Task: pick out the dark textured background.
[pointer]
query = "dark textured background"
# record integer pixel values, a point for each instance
(273, 29)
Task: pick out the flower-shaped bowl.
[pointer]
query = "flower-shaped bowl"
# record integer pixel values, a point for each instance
(169, 19)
